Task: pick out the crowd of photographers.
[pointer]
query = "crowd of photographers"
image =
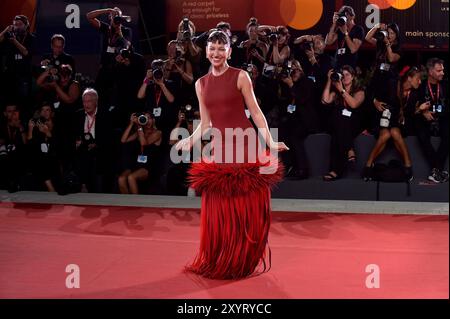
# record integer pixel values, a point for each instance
(116, 136)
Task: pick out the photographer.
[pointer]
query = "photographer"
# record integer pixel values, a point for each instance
(391, 119)
(189, 44)
(432, 118)
(255, 50)
(12, 148)
(297, 119)
(42, 149)
(127, 74)
(278, 38)
(344, 96)
(15, 75)
(177, 173)
(310, 50)
(159, 97)
(385, 77)
(145, 156)
(58, 57)
(115, 37)
(93, 144)
(348, 35)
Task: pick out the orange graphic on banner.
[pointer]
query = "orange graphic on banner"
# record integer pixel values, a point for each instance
(397, 4)
(298, 14)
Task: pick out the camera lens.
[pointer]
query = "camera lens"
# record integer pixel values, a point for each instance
(158, 74)
(341, 21)
(142, 119)
(336, 76)
(381, 35)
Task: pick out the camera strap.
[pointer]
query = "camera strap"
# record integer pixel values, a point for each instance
(434, 98)
(158, 93)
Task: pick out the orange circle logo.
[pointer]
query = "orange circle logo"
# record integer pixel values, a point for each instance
(298, 14)
(397, 4)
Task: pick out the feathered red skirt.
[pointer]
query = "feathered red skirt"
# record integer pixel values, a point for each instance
(235, 218)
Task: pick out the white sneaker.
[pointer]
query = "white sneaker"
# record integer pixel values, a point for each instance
(435, 176)
(191, 192)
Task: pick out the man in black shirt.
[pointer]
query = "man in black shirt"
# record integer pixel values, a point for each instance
(58, 57)
(16, 46)
(432, 118)
(348, 35)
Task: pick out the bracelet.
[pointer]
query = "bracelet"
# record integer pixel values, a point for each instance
(343, 92)
(140, 129)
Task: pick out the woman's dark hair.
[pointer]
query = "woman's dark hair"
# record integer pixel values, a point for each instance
(220, 37)
(355, 86)
(394, 27)
(347, 9)
(405, 73)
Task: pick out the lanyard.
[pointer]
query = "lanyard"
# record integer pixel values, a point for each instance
(91, 124)
(432, 94)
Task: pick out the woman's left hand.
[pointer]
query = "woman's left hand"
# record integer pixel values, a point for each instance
(278, 146)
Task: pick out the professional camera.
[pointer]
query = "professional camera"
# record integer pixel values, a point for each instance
(273, 37)
(120, 19)
(381, 35)
(336, 76)
(286, 70)
(53, 76)
(186, 30)
(342, 20)
(157, 69)
(179, 58)
(142, 118)
(37, 119)
(87, 139)
(385, 119)
(125, 53)
(8, 35)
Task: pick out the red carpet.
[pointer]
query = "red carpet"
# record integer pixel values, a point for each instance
(140, 253)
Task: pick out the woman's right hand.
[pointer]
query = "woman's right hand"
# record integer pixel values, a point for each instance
(425, 106)
(149, 75)
(379, 105)
(133, 119)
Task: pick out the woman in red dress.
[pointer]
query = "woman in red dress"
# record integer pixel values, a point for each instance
(235, 209)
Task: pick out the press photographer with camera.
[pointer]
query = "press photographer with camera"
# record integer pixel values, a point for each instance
(142, 133)
(92, 133)
(12, 148)
(297, 119)
(383, 85)
(127, 73)
(344, 97)
(349, 37)
(310, 51)
(58, 56)
(16, 68)
(178, 67)
(159, 95)
(278, 38)
(431, 118)
(115, 37)
(391, 120)
(255, 50)
(42, 148)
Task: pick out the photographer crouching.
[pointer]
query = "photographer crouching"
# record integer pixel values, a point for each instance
(42, 148)
(344, 97)
(141, 140)
(12, 149)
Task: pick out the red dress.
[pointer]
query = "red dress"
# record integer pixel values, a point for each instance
(235, 209)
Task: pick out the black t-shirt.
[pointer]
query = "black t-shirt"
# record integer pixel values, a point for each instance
(382, 63)
(348, 58)
(439, 101)
(61, 59)
(111, 44)
(14, 62)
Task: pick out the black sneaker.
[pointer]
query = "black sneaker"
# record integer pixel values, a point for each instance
(444, 176)
(435, 176)
(367, 173)
(409, 173)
